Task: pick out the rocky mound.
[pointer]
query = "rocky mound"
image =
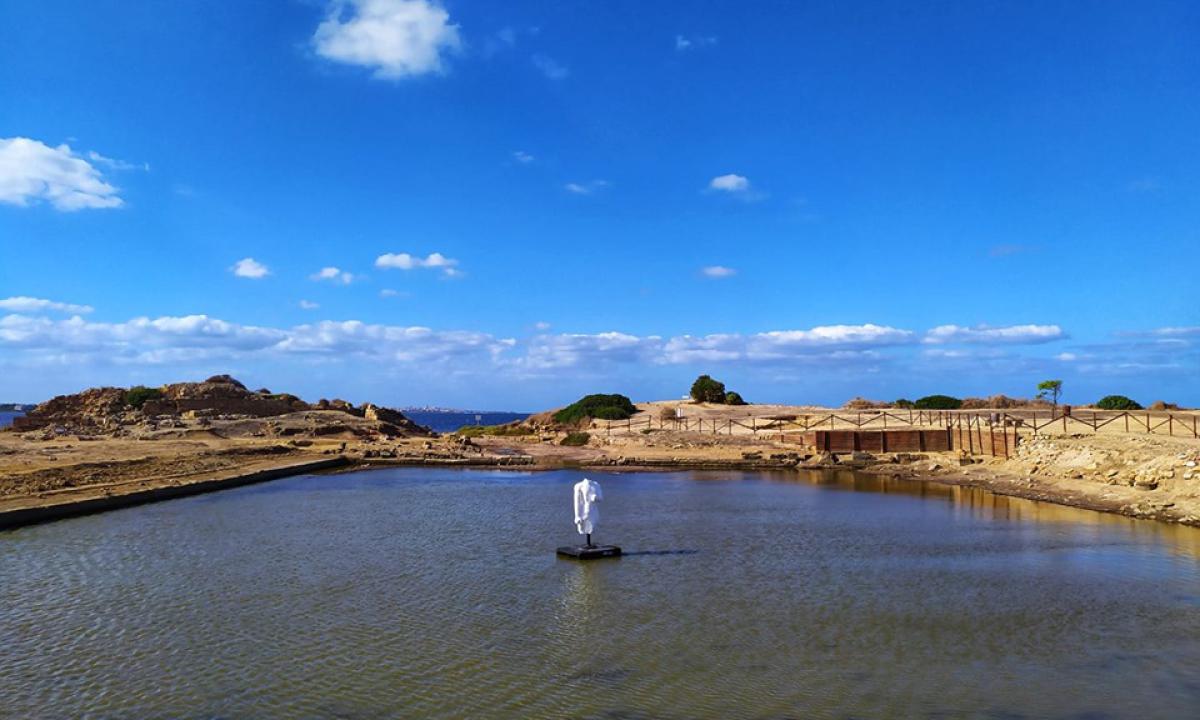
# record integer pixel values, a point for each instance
(109, 409)
(94, 409)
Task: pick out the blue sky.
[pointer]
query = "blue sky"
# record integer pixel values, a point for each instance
(506, 205)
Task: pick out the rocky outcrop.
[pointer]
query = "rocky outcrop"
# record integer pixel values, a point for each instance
(109, 409)
(91, 410)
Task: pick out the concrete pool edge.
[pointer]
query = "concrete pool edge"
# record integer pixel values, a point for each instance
(33, 515)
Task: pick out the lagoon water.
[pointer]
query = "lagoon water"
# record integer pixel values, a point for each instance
(436, 593)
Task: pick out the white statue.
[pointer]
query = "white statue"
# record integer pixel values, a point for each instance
(587, 512)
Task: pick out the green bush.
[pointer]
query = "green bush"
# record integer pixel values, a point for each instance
(601, 407)
(576, 439)
(1117, 402)
(904, 403)
(938, 402)
(705, 389)
(137, 396)
(732, 398)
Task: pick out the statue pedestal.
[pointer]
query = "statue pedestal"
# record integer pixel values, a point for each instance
(583, 552)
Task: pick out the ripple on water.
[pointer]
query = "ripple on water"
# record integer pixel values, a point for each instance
(426, 593)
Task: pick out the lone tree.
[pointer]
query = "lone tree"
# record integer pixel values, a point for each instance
(705, 389)
(1050, 390)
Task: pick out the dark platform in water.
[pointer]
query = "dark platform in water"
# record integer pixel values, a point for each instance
(583, 552)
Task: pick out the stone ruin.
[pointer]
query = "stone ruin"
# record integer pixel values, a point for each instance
(107, 409)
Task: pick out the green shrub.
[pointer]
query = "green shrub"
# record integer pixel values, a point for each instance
(601, 407)
(732, 398)
(705, 389)
(576, 439)
(137, 396)
(938, 402)
(904, 403)
(1117, 402)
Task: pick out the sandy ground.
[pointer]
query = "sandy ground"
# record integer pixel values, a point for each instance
(1135, 474)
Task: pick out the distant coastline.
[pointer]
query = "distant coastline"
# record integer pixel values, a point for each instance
(448, 420)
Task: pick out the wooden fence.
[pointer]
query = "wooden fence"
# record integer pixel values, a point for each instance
(973, 427)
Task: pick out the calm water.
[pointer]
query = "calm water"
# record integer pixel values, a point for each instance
(431, 593)
(6, 417)
(451, 421)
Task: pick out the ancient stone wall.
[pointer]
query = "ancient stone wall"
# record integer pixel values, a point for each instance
(257, 407)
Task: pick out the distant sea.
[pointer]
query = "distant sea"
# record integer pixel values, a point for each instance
(6, 417)
(451, 421)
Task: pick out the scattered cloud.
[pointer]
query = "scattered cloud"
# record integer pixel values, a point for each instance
(141, 338)
(32, 172)
(502, 40)
(1176, 331)
(116, 164)
(522, 157)
(250, 268)
(23, 304)
(718, 271)
(694, 42)
(332, 274)
(832, 341)
(32, 336)
(550, 67)
(541, 326)
(1006, 250)
(194, 337)
(1144, 185)
(547, 352)
(391, 293)
(405, 261)
(984, 334)
(730, 183)
(394, 38)
(586, 188)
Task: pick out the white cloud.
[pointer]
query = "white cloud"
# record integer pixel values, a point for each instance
(693, 42)
(140, 338)
(550, 67)
(177, 339)
(395, 38)
(730, 183)
(586, 188)
(1066, 357)
(31, 171)
(1013, 334)
(1176, 331)
(523, 157)
(718, 271)
(332, 274)
(405, 261)
(23, 304)
(116, 164)
(250, 268)
(541, 326)
(308, 305)
(845, 341)
(546, 352)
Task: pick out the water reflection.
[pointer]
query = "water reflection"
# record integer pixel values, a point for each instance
(984, 505)
(437, 593)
